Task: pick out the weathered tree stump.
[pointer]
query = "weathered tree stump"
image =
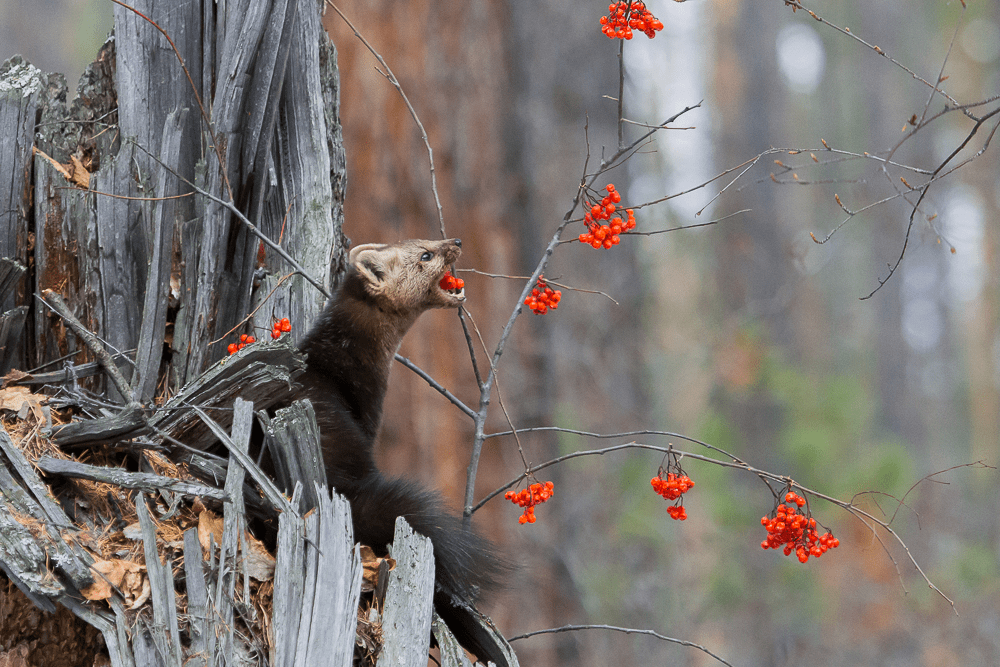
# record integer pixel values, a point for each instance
(192, 191)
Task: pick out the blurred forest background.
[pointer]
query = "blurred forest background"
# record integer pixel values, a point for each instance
(746, 334)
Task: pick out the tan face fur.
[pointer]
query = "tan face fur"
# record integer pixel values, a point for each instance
(403, 278)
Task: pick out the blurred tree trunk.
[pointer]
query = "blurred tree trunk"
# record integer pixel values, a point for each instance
(505, 117)
(753, 277)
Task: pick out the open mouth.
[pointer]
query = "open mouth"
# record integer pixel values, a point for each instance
(452, 286)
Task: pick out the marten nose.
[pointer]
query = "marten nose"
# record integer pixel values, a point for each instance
(458, 242)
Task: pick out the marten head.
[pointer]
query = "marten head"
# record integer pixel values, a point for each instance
(404, 278)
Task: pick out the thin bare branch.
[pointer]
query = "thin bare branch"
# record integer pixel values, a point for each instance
(549, 281)
(436, 386)
(114, 196)
(628, 631)
(926, 187)
(56, 302)
(877, 49)
(254, 311)
(737, 465)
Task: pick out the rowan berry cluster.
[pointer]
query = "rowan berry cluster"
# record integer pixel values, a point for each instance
(624, 17)
(791, 530)
(244, 341)
(543, 298)
(606, 234)
(535, 494)
(672, 487)
(281, 326)
(450, 282)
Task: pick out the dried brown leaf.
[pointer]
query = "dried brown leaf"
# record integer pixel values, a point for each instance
(209, 524)
(259, 562)
(370, 564)
(15, 398)
(114, 573)
(78, 173)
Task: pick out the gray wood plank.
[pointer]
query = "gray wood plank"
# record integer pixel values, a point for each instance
(149, 345)
(12, 338)
(266, 484)
(233, 526)
(293, 439)
(199, 624)
(105, 622)
(227, 251)
(126, 227)
(128, 480)
(11, 273)
(289, 585)
(406, 619)
(163, 629)
(126, 652)
(20, 87)
(317, 586)
(334, 599)
(452, 653)
(260, 373)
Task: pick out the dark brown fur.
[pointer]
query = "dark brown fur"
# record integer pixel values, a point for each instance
(350, 355)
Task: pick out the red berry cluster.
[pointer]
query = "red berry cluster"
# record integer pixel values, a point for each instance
(280, 327)
(673, 487)
(244, 341)
(625, 16)
(605, 235)
(450, 282)
(543, 297)
(536, 494)
(790, 530)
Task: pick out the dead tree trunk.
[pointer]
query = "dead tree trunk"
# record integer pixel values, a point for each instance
(191, 192)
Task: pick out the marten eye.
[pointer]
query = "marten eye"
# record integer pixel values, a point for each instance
(426, 257)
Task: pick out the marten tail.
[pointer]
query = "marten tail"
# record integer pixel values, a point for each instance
(465, 563)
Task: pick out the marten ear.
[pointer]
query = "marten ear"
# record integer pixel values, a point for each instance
(357, 250)
(368, 260)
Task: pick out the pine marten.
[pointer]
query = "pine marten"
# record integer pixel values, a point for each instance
(350, 351)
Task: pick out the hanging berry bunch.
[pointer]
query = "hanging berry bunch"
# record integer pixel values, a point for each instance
(672, 483)
(535, 494)
(450, 282)
(281, 326)
(624, 17)
(244, 341)
(789, 529)
(605, 220)
(543, 297)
